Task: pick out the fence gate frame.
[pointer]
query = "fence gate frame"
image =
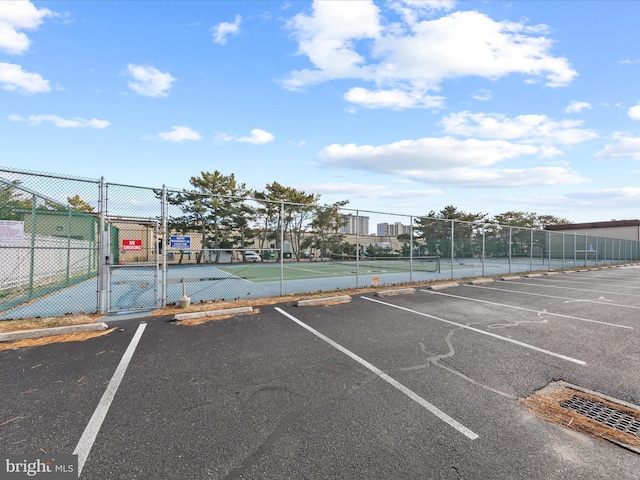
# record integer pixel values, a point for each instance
(109, 265)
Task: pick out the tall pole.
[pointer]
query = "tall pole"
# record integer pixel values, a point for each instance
(164, 235)
(103, 249)
(281, 247)
(357, 248)
(452, 246)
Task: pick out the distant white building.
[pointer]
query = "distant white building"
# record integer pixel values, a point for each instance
(355, 224)
(392, 229)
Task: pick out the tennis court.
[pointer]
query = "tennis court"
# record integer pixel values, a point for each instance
(140, 287)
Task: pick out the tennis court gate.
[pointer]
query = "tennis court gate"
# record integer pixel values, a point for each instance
(131, 277)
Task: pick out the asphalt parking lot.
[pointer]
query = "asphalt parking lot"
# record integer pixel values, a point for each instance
(422, 385)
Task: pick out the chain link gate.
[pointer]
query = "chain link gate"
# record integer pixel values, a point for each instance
(133, 277)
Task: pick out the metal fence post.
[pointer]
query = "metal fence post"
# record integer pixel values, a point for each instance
(164, 211)
(483, 246)
(510, 244)
(281, 247)
(452, 246)
(531, 252)
(411, 248)
(32, 265)
(103, 249)
(357, 248)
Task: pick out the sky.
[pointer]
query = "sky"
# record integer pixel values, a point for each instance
(396, 106)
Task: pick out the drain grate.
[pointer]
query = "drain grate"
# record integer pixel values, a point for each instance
(589, 412)
(603, 414)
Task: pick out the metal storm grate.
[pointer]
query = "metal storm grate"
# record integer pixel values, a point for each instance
(603, 414)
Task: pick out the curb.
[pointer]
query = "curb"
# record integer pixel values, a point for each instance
(442, 286)
(212, 313)
(397, 291)
(49, 332)
(322, 301)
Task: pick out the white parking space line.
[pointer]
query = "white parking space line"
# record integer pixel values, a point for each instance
(411, 394)
(477, 330)
(93, 427)
(526, 309)
(547, 285)
(568, 299)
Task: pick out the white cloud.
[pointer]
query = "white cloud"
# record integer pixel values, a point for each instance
(624, 147)
(605, 199)
(409, 156)
(60, 122)
(450, 161)
(149, 81)
(14, 79)
(257, 137)
(179, 133)
(525, 128)
(375, 191)
(224, 29)
(634, 112)
(496, 178)
(482, 95)
(326, 37)
(395, 99)
(577, 107)
(357, 42)
(16, 16)
(411, 11)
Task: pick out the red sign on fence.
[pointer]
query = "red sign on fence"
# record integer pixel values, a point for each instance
(129, 245)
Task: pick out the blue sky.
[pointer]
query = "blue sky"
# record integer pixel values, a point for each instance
(397, 106)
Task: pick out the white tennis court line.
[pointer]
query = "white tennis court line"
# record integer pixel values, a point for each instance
(93, 427)
(569, 299)
(477, 330)
(411, 394)
(525, 309)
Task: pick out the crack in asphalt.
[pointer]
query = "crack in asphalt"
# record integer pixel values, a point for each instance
(435, 359)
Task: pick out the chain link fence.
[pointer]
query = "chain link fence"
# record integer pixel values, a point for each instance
(74, 245)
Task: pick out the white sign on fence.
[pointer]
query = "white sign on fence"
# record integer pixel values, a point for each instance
(11, 232)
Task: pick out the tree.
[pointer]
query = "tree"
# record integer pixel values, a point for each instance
(298, 213)
(326, 225)
(12, 200)
(517, 226)
(213, 209)
(434, 230)
(78, 204)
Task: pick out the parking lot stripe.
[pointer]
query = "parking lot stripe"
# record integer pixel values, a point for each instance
(569, 299)
(526, 309)
(411, 394)
(477, 330)
(555, 285)
(93, 427)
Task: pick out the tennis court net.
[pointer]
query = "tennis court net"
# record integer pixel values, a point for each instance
(429, 263)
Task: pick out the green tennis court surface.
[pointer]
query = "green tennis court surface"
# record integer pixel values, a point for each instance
(310, 270)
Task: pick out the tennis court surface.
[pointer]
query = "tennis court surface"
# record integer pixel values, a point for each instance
(412, 384)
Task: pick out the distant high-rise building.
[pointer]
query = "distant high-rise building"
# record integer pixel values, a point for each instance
(392, 229)
(355, 224)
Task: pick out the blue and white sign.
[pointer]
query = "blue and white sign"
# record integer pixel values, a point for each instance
(179, 241)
